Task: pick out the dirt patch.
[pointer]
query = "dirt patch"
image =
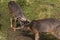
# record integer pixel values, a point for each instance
(17, 35)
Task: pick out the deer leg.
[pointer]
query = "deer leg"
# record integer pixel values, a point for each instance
(11, 22)
(15, 24)
(18, 28)
(36, 36)
(36, 33)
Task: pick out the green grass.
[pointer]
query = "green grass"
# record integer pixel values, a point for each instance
(4, 20)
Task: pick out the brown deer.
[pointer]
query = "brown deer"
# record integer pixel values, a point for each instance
(17, 12)
(44, 25)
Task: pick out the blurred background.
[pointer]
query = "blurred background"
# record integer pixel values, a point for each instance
(33, 9)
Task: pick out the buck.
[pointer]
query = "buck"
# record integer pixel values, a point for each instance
(16, 12)
(50, 25)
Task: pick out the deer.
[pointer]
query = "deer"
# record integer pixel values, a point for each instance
(16, 12)
(50, 25)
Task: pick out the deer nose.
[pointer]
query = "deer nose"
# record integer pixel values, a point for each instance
(26, 22)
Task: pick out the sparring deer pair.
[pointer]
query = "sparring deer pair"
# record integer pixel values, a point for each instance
(36, 26)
